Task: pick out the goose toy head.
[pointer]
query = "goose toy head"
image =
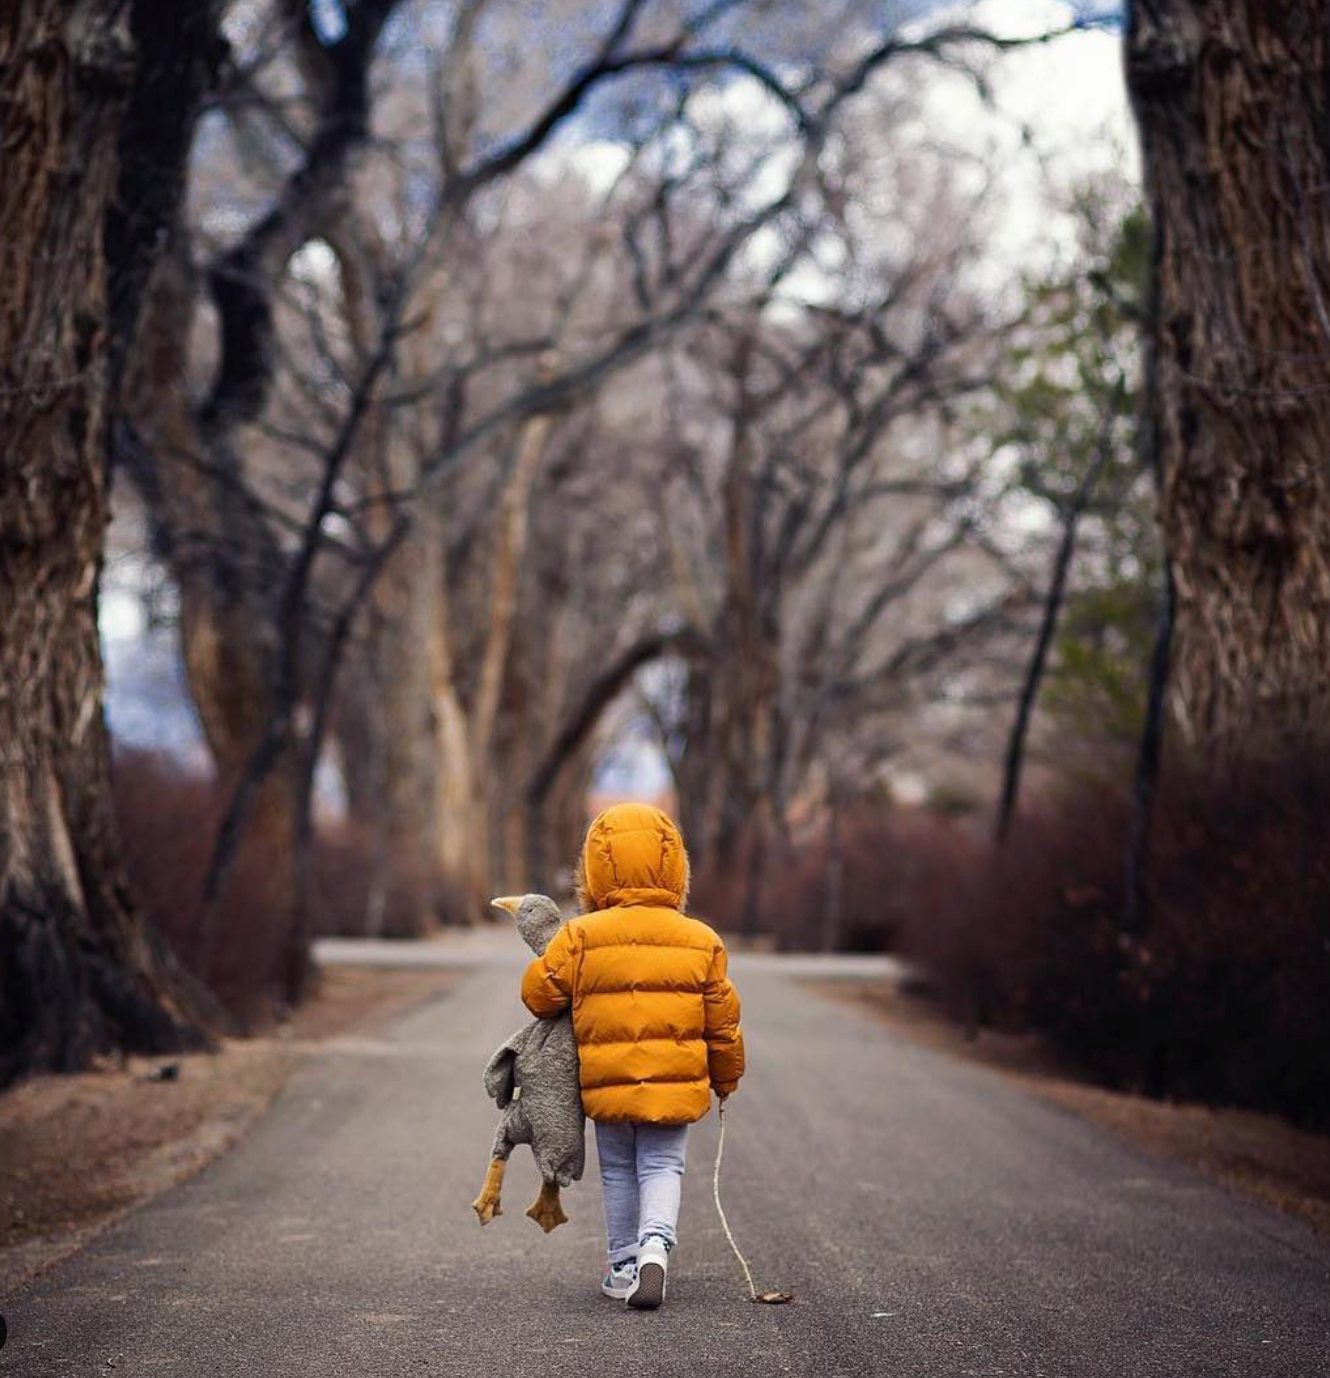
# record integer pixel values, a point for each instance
(538, 918)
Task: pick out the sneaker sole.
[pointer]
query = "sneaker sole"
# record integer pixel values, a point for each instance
(650, 1291)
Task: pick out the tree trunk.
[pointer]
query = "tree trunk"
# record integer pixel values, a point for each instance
(458, 838)
(1233, 103)
(361, 749)
(395, 776)
(510, 541)
(694, 765)
(227, 648)
(406, 599)
(471, 836)
(1048, 623)
(833, 894)
(231, 678)
(79, 971)
(745, 683)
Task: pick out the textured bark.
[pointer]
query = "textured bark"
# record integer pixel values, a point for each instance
(79, 971)
(406, 601)
(422, 803)
(1232, 101)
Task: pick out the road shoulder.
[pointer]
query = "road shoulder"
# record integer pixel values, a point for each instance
(79, 1152)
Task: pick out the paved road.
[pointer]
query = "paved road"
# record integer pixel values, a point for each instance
(931, 1218)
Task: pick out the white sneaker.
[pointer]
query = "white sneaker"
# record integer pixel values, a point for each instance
(619, 1279)
(653, 1261)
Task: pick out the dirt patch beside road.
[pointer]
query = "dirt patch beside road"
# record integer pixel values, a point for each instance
(76, 1152)
(1261, 1155)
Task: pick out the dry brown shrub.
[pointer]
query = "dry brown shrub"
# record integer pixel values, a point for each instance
(168, 822)
(1225, 999)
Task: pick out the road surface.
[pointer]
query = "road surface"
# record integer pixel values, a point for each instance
(930, 1217)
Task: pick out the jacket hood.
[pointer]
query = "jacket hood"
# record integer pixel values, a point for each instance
(634, 854)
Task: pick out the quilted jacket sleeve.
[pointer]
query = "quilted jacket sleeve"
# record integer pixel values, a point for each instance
(547, 986)
(725, 1040)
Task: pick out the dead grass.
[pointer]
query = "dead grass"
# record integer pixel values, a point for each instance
(1261, 1155)
(77, 1152)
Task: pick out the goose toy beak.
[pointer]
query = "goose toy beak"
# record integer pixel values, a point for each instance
(508, 903)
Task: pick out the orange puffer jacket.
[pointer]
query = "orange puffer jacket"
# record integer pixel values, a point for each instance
(655, 1016)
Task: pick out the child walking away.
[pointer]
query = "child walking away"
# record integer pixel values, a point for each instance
(657, 1027)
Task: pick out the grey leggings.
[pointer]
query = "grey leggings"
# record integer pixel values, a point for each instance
(641, 1173)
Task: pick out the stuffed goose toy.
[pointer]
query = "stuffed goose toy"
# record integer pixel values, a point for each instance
(533, 1077)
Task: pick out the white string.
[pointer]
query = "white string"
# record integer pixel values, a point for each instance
(725, 1224)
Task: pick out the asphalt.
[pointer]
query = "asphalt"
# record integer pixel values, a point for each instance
(930, 1218)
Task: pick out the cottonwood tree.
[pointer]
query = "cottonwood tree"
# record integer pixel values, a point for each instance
(809, 520)
(785, 643)
(79, 972)
(1231, 103)
(239, 542)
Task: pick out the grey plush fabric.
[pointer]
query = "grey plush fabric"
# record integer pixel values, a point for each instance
(533, 1075)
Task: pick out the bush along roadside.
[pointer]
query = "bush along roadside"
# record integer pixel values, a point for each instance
(168, 821)
(1225, 996)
